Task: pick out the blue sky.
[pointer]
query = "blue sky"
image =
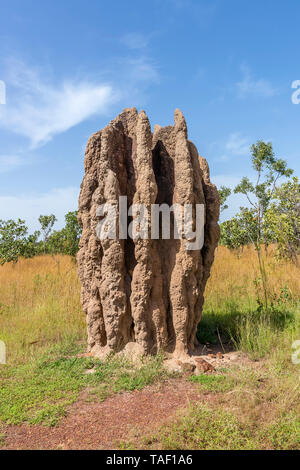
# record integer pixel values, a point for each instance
(70, 66)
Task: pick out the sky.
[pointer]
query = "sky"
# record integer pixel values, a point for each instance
(70, 66)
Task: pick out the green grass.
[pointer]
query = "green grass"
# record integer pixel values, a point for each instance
(251, 330)
(213, 383)
(41, 391)
(246, 408)
(255, 406)
(202, 428)
(285, 434)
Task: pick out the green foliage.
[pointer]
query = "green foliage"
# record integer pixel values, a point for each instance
(269, 170)
(282, 220)
(14, 241)
(248, 225)
(239, 231)
(47, 222)
(66, 241)
(224, 194)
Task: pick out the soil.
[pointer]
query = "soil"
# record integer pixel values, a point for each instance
(104, 425)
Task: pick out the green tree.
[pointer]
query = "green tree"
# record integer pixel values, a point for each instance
(46, 222)
(239, 231)
(66, 241)
(14, 241)
(72, 233)
(269, 170)
(282, 220)
(248, 225)
(224, 194)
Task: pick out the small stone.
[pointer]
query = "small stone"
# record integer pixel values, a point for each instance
(89, 371)
(187, 367)
(204, 366)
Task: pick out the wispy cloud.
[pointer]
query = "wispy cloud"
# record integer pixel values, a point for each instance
(250, 85)
(135, 40)
(58, 201)
(10, 162)
(140, 70)
(39, 110)
(236, 145)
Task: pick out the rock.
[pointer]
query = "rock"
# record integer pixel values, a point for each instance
(89, 371)
(133, 351)
(171, 365)
(188, 368)
(203, 366)
(146, 291)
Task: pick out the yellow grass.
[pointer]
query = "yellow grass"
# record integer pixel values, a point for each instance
(39, 305)
(232, 277)
(40, 297)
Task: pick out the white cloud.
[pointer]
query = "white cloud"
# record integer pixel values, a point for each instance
(30, 206)
(39, 110)
(255, 87)
(140, 70)
(226, 180)
(236, 146)
(135, 40)
(10, 162)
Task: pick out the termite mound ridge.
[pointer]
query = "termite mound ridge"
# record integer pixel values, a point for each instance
(147, 292)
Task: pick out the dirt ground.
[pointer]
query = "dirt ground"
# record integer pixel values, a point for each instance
(103, 425)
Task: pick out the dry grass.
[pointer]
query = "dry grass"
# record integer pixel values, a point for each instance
(40, 308)
(40, 297)
(39, 305)
(233, 275)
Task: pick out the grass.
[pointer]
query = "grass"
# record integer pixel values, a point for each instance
(202, 427)
(232, 310)
(244, 408)
(39, 392)
(39, 306)
(212, 383)
(43, 327)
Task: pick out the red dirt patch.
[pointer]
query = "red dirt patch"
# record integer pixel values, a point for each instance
(101, 425)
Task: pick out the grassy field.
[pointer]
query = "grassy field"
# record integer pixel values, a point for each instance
(43, 326)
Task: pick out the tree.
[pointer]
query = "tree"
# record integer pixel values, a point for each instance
(248, 225)
(282, 220)
(239, 231)
(14, 242)
(72, 233)
(66, 241)
(47, 222)
(269, 170)
(224, 194)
